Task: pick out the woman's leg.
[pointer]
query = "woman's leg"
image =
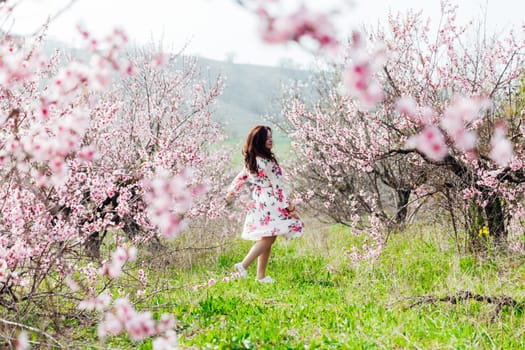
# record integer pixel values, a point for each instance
(264, 245)
(262, 261)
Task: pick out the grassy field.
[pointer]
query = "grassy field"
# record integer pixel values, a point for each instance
(321, 300)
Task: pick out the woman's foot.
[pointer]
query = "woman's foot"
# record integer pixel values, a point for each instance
(241, 270)
(266, 279)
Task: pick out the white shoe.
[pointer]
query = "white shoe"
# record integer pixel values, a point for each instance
(241, 270)
(266, 279)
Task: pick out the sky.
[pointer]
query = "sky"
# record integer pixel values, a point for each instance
(221, 29)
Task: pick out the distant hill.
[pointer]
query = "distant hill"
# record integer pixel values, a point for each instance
(250, 91)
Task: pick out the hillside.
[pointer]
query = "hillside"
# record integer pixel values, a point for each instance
(250, 93)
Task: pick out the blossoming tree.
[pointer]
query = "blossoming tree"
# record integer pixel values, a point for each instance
(110, 142)
(448, 116)
(157, 118)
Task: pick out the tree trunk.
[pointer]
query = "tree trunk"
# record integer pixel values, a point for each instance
(92, 245)
(403, 197)
(496, 219)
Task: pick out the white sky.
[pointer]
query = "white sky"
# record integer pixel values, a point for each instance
(221, 28)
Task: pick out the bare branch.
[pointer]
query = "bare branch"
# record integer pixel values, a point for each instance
(55, 16)
(32, 329)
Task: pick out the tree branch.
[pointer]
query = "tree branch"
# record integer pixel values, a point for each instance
(20, 325)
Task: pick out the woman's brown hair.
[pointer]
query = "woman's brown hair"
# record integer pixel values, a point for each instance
(255, 146)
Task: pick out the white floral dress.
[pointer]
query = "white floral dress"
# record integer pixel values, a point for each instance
(267, 214)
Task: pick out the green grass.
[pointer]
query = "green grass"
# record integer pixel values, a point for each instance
(323, 301)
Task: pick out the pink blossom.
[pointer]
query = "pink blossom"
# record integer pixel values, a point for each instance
(87, 153)
(165, 324)
(98, 303)
(517, 246)
(71, 284)
(142, 277)
(293, 27)
(110, 325)
(359, 77)
(456, 117)
(427, 115)
(22, 342)
(3, 270)
(120, 256)
(159, 60)
(430, 142)
(132, 253)
(169, 197)
(168, 341)
(466, 109)
(102, 301)
(407, 106)
(501, 152)
(140, 326)
(123, 309)
(112, 270)
(198, 286)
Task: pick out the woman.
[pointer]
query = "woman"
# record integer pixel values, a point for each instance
(270, 213)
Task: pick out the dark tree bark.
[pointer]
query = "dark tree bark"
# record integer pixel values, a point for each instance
(496, 219)
(403, 196)
(92, 245)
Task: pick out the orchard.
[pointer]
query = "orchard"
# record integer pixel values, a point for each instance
(112, 163)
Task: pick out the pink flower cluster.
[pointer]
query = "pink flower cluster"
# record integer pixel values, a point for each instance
(18, 66)
(517, 247)
(359, 76)
(461, 114)
(233, 276)
(120, 256)
(47, 125)
(22, 342)
(139, 325)
(3, 270)
(501, 148)
(408, 107)
(169, 198)
(212, 281)
(98, 303)
(293, 27)
(430, 142)
(459, 120)
(374, 241)
(109, 49)
(167, 341)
